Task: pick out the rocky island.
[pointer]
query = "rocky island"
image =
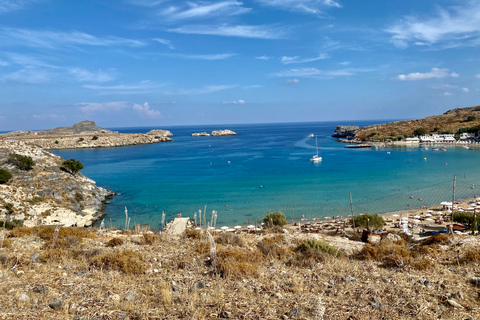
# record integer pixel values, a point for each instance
(86, 134)
(216, 133)
(46, 193)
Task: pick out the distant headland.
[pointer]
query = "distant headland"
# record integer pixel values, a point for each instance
(86, 134)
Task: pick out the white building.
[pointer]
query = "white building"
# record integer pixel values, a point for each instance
(467, 136)
(438, 138)
(412, 140)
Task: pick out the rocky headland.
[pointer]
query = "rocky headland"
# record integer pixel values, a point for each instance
(215, 133)
(47, 194)
(345, 131)
(86, 134)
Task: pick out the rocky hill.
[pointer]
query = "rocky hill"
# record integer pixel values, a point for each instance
(86, 134)
(46, 194)
(449, 122)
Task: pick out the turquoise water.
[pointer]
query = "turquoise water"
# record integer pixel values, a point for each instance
(225, 173)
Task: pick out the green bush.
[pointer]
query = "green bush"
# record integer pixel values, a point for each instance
(318, 245)
(466, 218)
(9, 207)
(369, 221)
(5, 176)
(72, 165)
(277, 218)
(471, 118)
(420, 132)
(22, 162)
(9, 225)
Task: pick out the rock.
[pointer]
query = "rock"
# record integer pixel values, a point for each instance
(23, 297)
(225, 314)
(175, 289)
(278, 295)
(120, 316)
(348, 278)
(225, 132)
(1, 310)
(345, 131)
(200, 134)
(130, 297)
(80, 273)
(376, 299)
(162, 133)
(200, 284)
(378, 306)
(56, 305)
(3, 275)
(332, 282)
(35, 257)
(115, 297)
(454, 304)
(294, 313)
(458, 295)
(392, 237)
(39, 289)
(475, 281)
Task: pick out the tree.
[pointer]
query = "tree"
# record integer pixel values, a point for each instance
(420, 132)
(22, 162)
(277, 218)
(4, 176)
(471, 118)
(72, 165)
(369, 221)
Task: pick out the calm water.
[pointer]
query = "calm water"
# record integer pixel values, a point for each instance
(225, 173)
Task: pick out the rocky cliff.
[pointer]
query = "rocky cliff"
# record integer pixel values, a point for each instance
(47, 194)
(216, 133)
(345, 131)
(86, 134)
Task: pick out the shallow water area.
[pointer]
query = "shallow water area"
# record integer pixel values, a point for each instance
(266, 168)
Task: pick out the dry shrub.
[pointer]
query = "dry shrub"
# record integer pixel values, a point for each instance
(7, 261)
(469, 256)
(313, 251)
(227, 238)
(151, 238)
(192, 234)
(126, 261)
(7, 243)
(202, 247)
(114, 242)
(87, 254)
(238, 262)
(441, 238)
(55, 255)
(20, 232)
(46, 233)
(422, 263)
(63, 243)
(272, 248)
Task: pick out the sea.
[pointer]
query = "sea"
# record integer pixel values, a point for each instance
(266, 168)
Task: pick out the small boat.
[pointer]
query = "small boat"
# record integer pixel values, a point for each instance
(311, 135)
(443, 149)
(316, 158)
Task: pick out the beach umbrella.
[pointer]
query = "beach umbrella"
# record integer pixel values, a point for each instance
(416, 217)
(198, 228)
(258, 229)
(224, 228)
(237, 227)
(429, 219)
(211, 228)
(394, 215)
(470, 209)
(230, 230)
(404, 218)
(250, 227)
(416, 221)
(429, 211)
(218, 230)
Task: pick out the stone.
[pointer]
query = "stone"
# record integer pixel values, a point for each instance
(225, 314)
(175, 289)
(294, 312)
(23, 297)
(130, 297)
(35, 257)
(120, 316)
(278, 295)
(1, 310)
(454, 304)
(39, 289)
(458, 295)
(115, 297)
(56, 305)
(3, 275)
(80, 273)
(378, 306)
(332, 282)
(376, 299)
(392, 237)
(475, 281)
(200, 284)
(348, 278)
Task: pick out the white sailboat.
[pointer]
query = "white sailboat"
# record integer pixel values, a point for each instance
(316, 158)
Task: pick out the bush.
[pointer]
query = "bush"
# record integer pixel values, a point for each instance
(466, 218)
(318, 245)
(78, 196)
(22, 162)
(9, 225)
(126, 261)
(273, 248)
(277, 218)
(238, 262)
(114, 242)
(420, 132)
(72, 165)
(151, 238)
(471, 118)
(230, 238)
(95, 138)
(9, 207)
(369, 221)
(5, 176)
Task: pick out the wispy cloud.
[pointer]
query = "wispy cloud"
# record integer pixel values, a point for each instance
(139, 88)
(263, 58)
(220, 56)
(147, 111)
(12, 5)
(290, 82)
(297, 59)
(448, 88)
(204, 90)
(146, 3)
(242, 31)
(477, 76)
(345, 63)
(234, 102)
(83, 75)
(29, 75)
(94, 107)
(435, 73)
(324, 74)
(49, 117)
(198, 10)
(305, 6)
(457, 26)
(56, 39)
(4, 63)
(168, 43)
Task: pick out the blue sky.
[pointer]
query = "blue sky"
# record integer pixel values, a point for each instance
(175, 62)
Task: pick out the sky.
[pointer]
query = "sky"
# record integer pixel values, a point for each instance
(128, 63)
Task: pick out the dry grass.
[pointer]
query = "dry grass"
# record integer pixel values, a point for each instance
(151, 239)
(126, 261)
(230, 239)
(114, 242)
(238, 262)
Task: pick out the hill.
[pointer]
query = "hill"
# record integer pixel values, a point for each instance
(450, 122)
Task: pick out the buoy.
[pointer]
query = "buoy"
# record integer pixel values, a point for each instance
(420, 199)
(388, 152)
(411, 197)
(425, 159)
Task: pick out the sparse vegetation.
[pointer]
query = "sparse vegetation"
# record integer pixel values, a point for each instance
(72, 165)
(471, 118)
(368, 221)
(126, 261)
(22, 162)
(275, 219)
(114, 242)
(420, 132)
(9, 208)
(5, 176)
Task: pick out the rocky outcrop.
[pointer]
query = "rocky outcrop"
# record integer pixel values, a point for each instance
(216, 133)
(345, 131)
(160, 133)
(47, 194)
(84, 127)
